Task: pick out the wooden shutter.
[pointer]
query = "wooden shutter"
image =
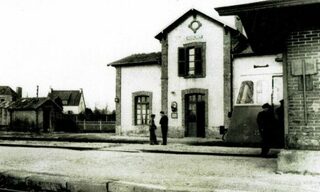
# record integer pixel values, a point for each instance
(181, 62)
(198, 61)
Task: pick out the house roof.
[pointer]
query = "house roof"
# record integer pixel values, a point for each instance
(139, 59)
(5, 104)
(269, 23)
(31, 103)
(181, 19)
(6, 90)
(72, 97)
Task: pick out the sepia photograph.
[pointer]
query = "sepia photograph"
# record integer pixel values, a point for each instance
(159, 96)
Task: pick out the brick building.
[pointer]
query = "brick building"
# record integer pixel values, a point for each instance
(290, 27)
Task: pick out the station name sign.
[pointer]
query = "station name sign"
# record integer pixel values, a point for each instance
(194, 37)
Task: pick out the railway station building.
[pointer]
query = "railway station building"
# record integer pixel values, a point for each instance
(189, 79)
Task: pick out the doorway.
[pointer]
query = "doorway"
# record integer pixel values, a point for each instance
(46, 120)
(195, 115)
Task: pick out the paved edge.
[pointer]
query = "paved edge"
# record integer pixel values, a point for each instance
(28, 181)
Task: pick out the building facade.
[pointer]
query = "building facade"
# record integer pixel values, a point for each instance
(34, 114)
(7, 96)
(192, 82)
(138, 92)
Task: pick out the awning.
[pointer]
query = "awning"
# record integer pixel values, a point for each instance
(268, 23)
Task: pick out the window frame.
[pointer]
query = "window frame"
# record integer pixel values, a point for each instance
(144, 101)
(184, 62)
(134, 107)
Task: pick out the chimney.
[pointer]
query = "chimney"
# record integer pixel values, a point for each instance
(19, 92)
(238, 24)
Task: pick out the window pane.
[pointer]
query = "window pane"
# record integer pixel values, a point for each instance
(245, 95)
(191, 51)
(191, 58)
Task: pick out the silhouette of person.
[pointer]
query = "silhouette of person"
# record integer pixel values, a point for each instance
(152, 129)
(265, 120)
(164, 127)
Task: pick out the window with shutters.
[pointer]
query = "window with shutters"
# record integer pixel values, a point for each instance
(191, 60)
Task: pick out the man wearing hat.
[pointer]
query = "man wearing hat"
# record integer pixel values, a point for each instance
(164, 127)
(266, 122)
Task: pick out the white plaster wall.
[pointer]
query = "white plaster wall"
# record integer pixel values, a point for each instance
(212, 34)
(82, 106)
(139, 78)
(243, 70)
(74, 109)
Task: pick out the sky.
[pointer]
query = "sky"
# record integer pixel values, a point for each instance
(67, 44)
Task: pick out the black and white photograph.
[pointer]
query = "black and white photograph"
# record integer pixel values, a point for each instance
(159, 96)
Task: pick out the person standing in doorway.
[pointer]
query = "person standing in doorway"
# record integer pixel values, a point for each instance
(266, 123)
(164, 127)
(152, 129)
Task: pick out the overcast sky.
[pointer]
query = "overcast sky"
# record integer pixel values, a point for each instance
(67, 44)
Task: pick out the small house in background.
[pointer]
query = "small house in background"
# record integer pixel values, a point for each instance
(4, 114)
(72, 100)
(34, 114)
(8, 94)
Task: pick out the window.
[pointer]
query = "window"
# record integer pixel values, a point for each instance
(246, 93)
(142, 111)
(65, 102)
(191, 60)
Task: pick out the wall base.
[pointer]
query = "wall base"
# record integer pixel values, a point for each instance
(299, 161)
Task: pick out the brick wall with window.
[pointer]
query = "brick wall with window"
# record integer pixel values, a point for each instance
(303, 133)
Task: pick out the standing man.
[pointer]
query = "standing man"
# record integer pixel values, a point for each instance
(164, 127)
(152, 129)
(266, 123)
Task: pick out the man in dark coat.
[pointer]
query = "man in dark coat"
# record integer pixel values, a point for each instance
(266, 123)
(152, 129)
(164, 127)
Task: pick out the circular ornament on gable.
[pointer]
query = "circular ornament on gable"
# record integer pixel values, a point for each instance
(195, 25)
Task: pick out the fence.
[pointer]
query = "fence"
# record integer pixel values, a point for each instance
(96, 126)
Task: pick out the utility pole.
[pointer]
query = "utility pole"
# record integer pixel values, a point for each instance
(37, 91)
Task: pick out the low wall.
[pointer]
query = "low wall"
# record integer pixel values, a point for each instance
(299, 161)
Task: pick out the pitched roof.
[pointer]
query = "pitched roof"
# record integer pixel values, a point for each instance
(31, 103)
(181, 19)
(71, 96)
(6, 90)
(139, 59)
(5, 104)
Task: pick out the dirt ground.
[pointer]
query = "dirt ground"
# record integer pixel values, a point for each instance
(129, 162)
